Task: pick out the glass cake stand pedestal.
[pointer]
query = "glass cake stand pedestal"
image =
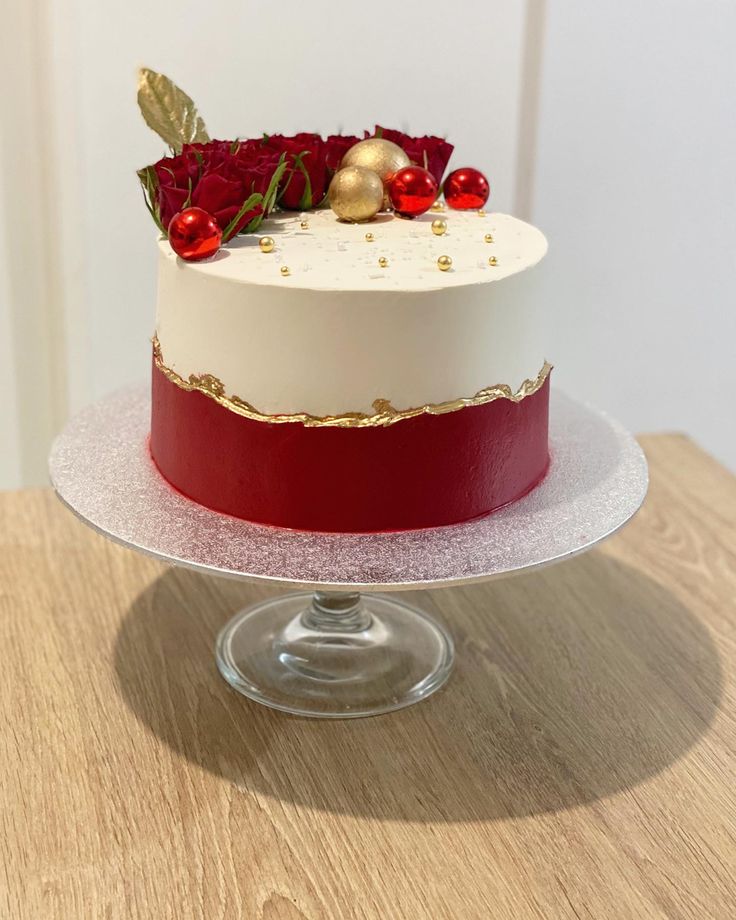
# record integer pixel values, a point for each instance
(337, 648)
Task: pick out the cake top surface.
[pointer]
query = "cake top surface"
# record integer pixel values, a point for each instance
(330, 255)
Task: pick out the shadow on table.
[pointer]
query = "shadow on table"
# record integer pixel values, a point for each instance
(553, 703)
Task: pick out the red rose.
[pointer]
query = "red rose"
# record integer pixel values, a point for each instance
(337, 146)
(433, 153)
(311, 158)
(218, 177)
(304, 182)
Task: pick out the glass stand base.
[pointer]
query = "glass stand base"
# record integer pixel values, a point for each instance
(334, 655)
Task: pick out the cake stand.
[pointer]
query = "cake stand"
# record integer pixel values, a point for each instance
(339, 649)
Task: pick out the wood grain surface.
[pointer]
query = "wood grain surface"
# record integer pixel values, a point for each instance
(579, 764)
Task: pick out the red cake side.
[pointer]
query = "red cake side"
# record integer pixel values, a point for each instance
(425, 471)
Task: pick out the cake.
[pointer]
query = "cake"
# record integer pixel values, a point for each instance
(349, 397)
(324, 375)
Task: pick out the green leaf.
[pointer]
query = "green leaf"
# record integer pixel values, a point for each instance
(149, 184)
(198, 157)
(168, 111)
(143, 174)
(188, 199)
(247, 205)
(154, 215)
(305, 202)
(253, 225)
(269, 199)
(288, 183)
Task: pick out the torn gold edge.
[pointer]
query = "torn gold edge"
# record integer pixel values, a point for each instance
(385, 413)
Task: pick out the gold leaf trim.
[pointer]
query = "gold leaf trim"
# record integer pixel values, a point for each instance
(168, 110)
(385, 414)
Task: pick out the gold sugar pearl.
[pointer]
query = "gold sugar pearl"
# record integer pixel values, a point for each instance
(439, 226)
(488, 237)
(304, 225)
(383, 262)
(369, 237)
(481, 213)
(284, 270)
(493, 261)
(266, 243)
(444, 263)
(438, 206)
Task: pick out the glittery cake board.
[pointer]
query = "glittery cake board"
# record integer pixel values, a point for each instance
(101, 469)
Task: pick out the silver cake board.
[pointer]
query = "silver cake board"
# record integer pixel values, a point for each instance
(101, 469)
(346, 651)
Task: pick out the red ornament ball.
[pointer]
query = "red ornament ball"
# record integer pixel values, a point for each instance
(194, 234)
(412, 191)
(466, 189)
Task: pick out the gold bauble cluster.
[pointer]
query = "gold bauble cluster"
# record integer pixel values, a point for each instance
(382, 157)
(355, 194)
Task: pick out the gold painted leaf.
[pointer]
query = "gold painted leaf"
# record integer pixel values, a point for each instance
(168, 110)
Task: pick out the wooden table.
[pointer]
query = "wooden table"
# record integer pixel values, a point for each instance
(580, 763)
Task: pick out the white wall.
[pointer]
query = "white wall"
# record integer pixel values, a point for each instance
(10, 472)
(635, 185)
(624, 129)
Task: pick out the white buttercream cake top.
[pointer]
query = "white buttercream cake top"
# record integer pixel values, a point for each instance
(327, 254)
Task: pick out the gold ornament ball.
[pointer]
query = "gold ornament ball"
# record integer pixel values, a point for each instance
(369, 237)
(266, 243)
(488, 237)
(284, 270)
(493, 261)
(383, 262)
(381, 156)
(438, 206)
(481, 213)
(355, 194)
(439, 226)
(444, 263)
(304, 225)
